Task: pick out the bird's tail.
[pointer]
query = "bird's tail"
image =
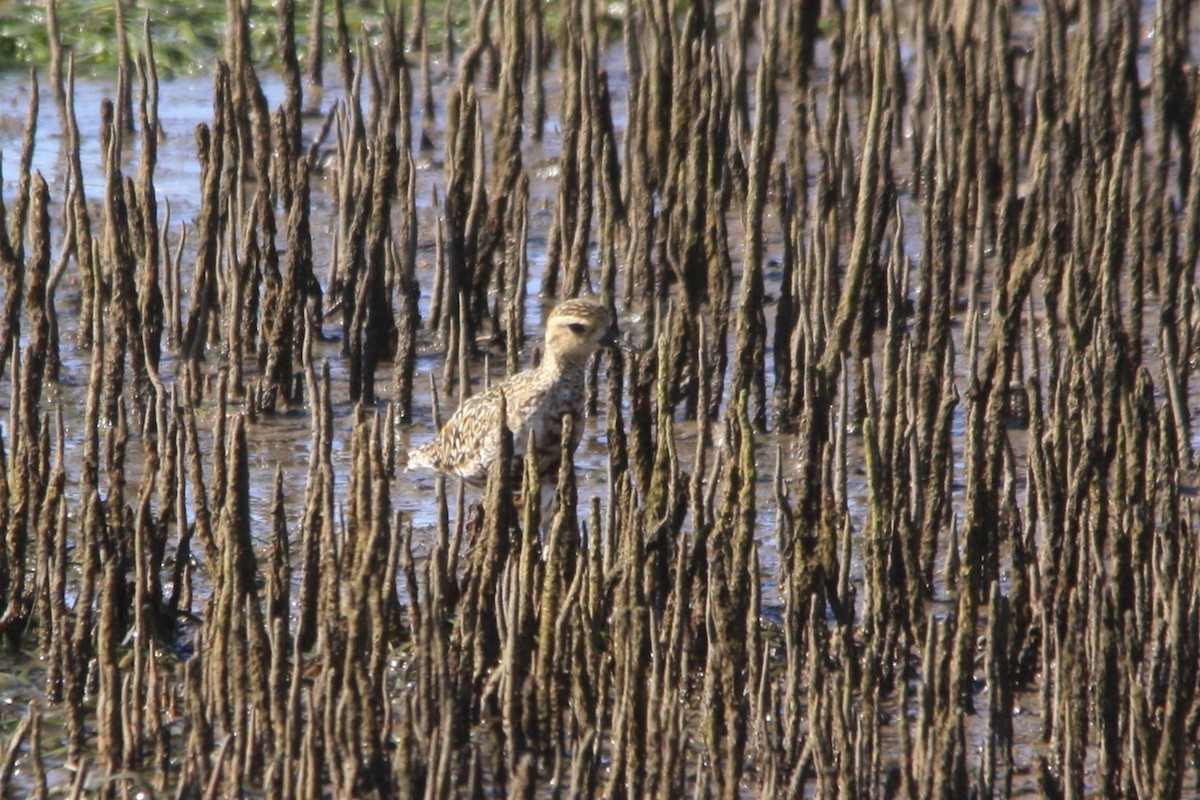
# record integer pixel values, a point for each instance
(421, 458)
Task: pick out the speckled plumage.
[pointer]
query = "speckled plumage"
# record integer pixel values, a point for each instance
(536, 400)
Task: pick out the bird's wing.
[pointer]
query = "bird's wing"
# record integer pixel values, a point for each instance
(464, 442)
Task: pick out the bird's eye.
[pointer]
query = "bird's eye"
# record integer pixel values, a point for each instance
(577, 327)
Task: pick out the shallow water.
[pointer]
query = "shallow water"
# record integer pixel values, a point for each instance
(283, 442)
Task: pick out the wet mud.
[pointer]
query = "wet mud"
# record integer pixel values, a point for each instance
(891, 496)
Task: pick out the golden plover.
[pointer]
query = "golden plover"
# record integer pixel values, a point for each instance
(536, 400)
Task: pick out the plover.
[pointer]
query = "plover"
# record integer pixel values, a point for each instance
(536, 401)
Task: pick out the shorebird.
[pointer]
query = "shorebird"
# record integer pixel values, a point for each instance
(536, 401)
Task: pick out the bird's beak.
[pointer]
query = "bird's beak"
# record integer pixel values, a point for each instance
(612, 340)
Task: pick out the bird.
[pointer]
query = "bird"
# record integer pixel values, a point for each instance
(535, 399)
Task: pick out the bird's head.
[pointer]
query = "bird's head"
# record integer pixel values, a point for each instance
(577, 328)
